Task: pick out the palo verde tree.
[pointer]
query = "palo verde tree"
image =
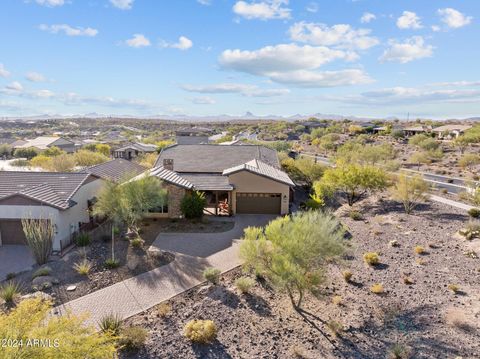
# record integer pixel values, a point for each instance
(410, 191)
(291, 252)
(351, 180)
(63, 336)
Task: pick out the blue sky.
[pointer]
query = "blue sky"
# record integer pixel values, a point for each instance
(371, 58)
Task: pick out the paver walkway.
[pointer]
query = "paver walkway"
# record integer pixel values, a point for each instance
(137, 294)
(450, 202)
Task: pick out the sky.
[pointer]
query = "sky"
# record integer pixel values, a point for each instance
(369, 58)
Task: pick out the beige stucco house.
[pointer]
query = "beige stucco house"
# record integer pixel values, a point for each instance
(244, 179)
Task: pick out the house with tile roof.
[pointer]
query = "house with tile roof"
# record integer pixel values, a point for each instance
(64, 198)
(44, 142)
(244, 179)
(133, 150)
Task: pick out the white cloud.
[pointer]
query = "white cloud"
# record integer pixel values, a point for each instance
(138, 40)
(44, 94)
(50, 3)
(69, 30)
(454, 18)
(435, 28)
(122, 4)
(263, 10)
(205, 100)
(35, 77)
(205, 2)
(409, 20)
(184, 43)
(312, 7)
(15, 86)
(341, 35)
(367, 17)
(408, 95)
(3, 71)
(413, 48)
(229, 88)
(305, 78)
(456, 84)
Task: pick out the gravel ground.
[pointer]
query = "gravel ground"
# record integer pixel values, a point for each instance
(424, 318)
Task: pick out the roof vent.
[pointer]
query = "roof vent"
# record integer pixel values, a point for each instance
(168, 163)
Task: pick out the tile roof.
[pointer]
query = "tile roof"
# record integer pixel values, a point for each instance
(143, 147)
(42, 142)
(52, 188)
(117, 170)
(262, 169)
(170, 177)
(208, 182)
(215, 158)
(452, 128)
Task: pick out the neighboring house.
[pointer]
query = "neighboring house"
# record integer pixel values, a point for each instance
(44, 142)
(415, 130)
(133, 150)
(235, 179)
(64, 198)
(450, 131)
(117, 170)
(193, 136)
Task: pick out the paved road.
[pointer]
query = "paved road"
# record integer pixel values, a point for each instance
(137, 294)
(449, 202)
(14, 259)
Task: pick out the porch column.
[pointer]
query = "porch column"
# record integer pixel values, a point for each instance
(216, 203)
(229, 193)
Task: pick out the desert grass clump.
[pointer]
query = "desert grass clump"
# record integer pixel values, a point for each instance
(335, 327)
(355, 215)
(371, 258)
(407, 280)
(347, 275)
(419, 250)
(132, 338)
(83, 239)
(212, 275)
(200, 331)
(298, 352)
(137, 242)
(377, 289)
(110, 323)
(112, 263)
(337, 300)
(244, 284)
(83, 267)
(399, 351)
(474, 212)
(10, 291)
(163, 309)
(42, 272)
(454, 288)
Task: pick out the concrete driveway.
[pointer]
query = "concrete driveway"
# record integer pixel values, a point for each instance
(206, 244)
(14, 259)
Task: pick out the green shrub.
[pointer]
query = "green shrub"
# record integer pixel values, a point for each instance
(192, 204)
(312, 203)
(201, 331)
(19, 163)
(355, 215)
(474, 212)
(399, 351)
(133, 338)
(83, 267)
(83, 239)
(244, 284)
(347, 275)
(9, 291)
(212, 275)
(42, 272)
(110, 323)
(371, 258)
(111, 263)
(137, 242)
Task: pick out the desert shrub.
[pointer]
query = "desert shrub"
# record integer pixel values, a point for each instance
(192, 204)
(393, 243)
(39, 234)
(411, 191)
(83, 239)
(42, 272)
(133, 338)
(335, 327)
(212, 275)
(474, 212)
(83, 267)
(201, 331)
(110, 323)
(111, 263)
(298, 352)
(20, 163)
(371, 258)
(377, 288)
(244, 284)
(137, 242)
(399, 351)
(9, 291)
(407, 280)
(419, 250)
(347, 275)
(355, 215)
(454, 288)
(85, 158)
(163, 309)
(27, 153)
(337, 300)
(312, 203)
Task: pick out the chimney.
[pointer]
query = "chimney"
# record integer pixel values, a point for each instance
(168, 164)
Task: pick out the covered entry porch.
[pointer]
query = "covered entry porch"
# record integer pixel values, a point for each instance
(219, 203)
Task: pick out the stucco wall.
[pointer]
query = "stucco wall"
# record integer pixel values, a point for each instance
(248, 182)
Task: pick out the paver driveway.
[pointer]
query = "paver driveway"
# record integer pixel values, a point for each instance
(14, 259)
(193, 253)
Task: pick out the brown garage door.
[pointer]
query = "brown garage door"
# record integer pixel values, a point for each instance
(11, 231)
(259, 203)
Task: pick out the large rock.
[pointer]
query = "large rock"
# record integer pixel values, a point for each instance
(38, 294)
(44, 282)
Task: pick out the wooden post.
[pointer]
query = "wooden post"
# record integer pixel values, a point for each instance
(216, 203)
